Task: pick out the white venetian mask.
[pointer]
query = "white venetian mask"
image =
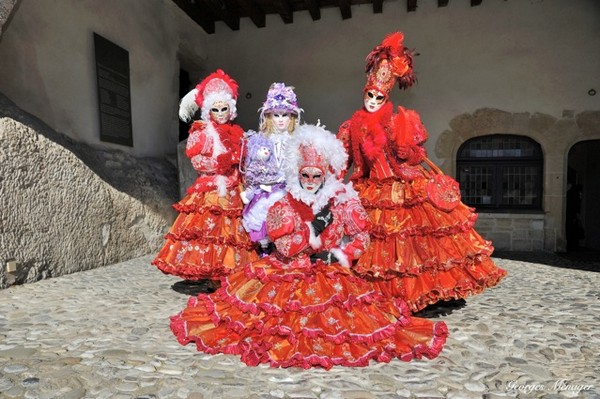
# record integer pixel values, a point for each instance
(281, 121)
(220, 112)
(311, 179)
(374, 100)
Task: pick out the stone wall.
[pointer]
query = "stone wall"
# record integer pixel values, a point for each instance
(6, 8)
(186, 173)
(67, 207)
(512, 232)
(556, 136)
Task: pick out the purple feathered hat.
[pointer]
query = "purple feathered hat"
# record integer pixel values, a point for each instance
(280, 98)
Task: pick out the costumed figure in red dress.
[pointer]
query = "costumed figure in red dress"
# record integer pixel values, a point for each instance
(279, 117)
(207, 239)
(424, 247)
(302, 306)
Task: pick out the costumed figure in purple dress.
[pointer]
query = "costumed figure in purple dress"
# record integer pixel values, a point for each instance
(264, 182)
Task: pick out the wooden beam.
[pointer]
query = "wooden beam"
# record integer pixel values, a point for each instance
(313, 9)
(284, 7)
(255, 13)
(442, 3)
(345, 9)
(198, 14)
(411, 5)
(230, 13)
(475, 3)
(377, 6)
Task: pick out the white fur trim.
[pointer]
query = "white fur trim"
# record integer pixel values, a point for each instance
(343, 259)
(348, 194)
(221, 183)
(218, 147)
(188, 106)
(322, 140)
(313, 239)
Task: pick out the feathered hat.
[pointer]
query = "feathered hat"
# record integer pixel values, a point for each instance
(313, 145)
(388, 62)
(218, 86)
(280, 98)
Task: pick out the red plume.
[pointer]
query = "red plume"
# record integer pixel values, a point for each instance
(399, 57)
(394, 42)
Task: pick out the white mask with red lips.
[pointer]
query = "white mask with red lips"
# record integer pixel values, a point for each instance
(311, 179)
(373, 100)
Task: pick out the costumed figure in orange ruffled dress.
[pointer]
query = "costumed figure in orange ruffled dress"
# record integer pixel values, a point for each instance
(302, 306)
(424, 248)
(207, 239)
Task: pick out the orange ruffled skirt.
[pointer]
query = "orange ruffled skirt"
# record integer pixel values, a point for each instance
(421, 253)
(207, 239)
(304, 315)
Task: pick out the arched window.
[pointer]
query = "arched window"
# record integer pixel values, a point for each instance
(501, 172)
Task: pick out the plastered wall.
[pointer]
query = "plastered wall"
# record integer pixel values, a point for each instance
(47, 65)
(518, 56)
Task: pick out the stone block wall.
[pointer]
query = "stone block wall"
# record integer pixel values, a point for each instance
(6, 8)
(186, 173)
(67, 207)
(512, 232)
(534, 231)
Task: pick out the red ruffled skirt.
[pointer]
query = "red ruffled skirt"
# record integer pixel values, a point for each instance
(207, 239)
(304, 315)
(420, 252)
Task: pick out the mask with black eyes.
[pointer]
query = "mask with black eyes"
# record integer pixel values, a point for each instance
(281, 121)
(220, 112)
(374, 100)
(311, 179)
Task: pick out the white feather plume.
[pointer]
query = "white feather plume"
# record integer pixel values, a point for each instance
(188, 106)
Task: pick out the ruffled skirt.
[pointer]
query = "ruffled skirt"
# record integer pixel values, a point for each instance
(304, 315)
(207, 239)
(419, 252)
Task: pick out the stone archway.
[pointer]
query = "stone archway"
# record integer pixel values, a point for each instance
(555, 136)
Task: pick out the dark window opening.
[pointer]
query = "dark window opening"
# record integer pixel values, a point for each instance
(501, 173)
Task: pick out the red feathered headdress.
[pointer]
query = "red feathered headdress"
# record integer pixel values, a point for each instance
(217, 83)
(388, 62)
(218, 86)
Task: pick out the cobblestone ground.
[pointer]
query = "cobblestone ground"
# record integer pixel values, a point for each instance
(104, 333)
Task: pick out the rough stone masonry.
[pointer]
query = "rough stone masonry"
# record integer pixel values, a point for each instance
(67, 207)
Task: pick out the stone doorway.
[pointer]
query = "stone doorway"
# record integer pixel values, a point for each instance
(582, 215)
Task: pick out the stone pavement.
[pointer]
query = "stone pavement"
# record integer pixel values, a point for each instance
(104, 333)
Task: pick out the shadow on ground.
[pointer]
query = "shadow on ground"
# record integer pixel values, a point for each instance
(193, 288)
(581, 259)
(441, 308)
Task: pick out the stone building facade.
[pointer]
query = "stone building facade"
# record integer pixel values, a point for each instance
(545, 229)
(528, 69)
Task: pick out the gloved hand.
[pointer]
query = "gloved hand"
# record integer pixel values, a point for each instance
(322, 220)
(325, 256)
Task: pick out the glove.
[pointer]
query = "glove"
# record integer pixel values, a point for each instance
(322, 220)
(324, 256)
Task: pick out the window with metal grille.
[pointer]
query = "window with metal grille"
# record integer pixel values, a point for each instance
(501, 172)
